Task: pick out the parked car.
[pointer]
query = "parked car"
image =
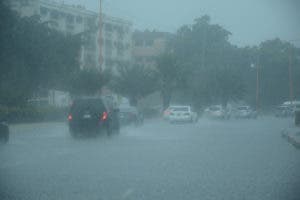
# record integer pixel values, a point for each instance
(182, 114)
(244, 112)
(167, 112)
(297, 114)
(4, 132)
(215, 112)
(284, 111)
(90, 116)
(130, 115)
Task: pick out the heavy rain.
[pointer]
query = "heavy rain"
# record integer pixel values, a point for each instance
(144, 100)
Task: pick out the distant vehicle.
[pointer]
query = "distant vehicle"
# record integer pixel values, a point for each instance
(130, 115)
(90, 116)
(182, 114)
(4, 132)
(244, 112)
(167, 112)
(287, 109)
(215, 112)
(284, 111)
(297, 114)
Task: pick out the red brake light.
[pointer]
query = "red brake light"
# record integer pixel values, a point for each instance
(70, 117)
(104, 116)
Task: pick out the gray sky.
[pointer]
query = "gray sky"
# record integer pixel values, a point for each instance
(250, 21)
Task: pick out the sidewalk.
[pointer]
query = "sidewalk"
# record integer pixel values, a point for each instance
(292, 135)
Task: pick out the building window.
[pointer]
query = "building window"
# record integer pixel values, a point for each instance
(139, 59)
(70, 27)
(108, 43)
(149, 43)
(62, 14)
(91, 22)
(108, 27)
(79, 19)
(70, 18)
(54, 14)
(120, 53)
(109, 63)
(126, 30)
(43, 11)
(90, 46)
(108, 48)
(120, 49)
(54, 24)
(25, 3)
(139, 43)
(108, 52)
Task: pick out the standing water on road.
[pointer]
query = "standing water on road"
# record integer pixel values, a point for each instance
(149, 100)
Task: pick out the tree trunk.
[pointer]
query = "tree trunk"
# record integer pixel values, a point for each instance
(133, 101)
(166, 98)
(224, 101)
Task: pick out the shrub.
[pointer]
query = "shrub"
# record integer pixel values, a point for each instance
(32, 114)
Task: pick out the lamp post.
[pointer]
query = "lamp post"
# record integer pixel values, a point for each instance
(256, 66)
(291, 80)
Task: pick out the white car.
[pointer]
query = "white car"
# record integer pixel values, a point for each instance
(244, 112)
(297, 114)
(216, 112)
(182, 114)
(167, 112)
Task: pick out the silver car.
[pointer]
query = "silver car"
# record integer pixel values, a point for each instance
(182, 114)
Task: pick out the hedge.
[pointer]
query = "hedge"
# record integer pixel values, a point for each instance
(32, 114)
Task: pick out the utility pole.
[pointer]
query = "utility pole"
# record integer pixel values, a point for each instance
(291, 78)
(257, 87)
(100, 38)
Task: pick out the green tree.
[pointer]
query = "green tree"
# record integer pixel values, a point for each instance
(134, 82)
(275, 56)
(170, 75)
(33, 56)
(87, 82)
(210, 62)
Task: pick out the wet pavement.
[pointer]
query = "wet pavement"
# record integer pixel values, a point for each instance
(234, 160)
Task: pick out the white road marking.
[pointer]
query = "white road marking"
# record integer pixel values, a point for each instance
(127, 193)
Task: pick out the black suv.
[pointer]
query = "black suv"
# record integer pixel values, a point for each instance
(90, 116)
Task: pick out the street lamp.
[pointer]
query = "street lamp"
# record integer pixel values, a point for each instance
(256, 66)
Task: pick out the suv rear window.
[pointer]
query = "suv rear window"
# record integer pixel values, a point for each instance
(93, 105)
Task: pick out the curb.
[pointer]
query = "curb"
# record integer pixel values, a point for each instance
(291, 138)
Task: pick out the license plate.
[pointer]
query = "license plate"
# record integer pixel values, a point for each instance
(87, 116)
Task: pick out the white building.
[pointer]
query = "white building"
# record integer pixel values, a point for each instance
(116, 42)
(59, 98)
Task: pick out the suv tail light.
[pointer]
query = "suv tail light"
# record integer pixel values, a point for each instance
(104, 116)
(70, 117)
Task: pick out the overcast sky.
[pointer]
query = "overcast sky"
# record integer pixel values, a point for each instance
(249, 21)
